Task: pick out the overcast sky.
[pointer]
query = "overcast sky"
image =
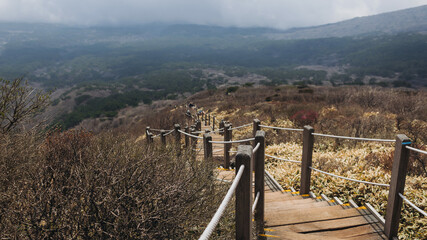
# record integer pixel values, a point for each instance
(245, 13)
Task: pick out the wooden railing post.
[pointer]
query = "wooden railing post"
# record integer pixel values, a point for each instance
(207, 145)
(259, 180)
(206, 120)
(187, 138)
(149, 139)
(255, 127)
(397, 185)
(227, 146)
(177, 127)
(221, 126)
(213, 123)
(163, 137)
(244, 194)
(193, 140)
(307, 158)
(198, 125)
(147, 132)
(209, 119)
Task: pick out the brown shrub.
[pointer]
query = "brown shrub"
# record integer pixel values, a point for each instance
(80, 186)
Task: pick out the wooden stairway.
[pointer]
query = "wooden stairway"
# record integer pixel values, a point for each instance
(291, 216)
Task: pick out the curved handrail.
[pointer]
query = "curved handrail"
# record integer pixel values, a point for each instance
(190, 135)
(159, 130)
(243, 126)
(413, 205)
(221, 209)
(171, 131)
(353, 138)
(256, 148)
(236, 141)
(282, 159)
(255, 202)
(416, 150)
(350, 179)
(280, 128)
(217, 131)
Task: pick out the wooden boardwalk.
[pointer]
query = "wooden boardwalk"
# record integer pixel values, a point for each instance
(289, 215)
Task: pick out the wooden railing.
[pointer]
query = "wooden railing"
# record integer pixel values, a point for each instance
(250, 159)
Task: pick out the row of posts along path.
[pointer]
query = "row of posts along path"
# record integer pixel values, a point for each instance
(289, 215)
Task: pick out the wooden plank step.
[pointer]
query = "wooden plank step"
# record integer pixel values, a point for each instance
(279, 195)
(308, 215)
(287, 199)
(297, 206)
(357, 231)
(279, 202)
(324, 225)
(302, 236)
(296, 236)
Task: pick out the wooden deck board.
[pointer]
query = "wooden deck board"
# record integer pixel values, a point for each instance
(327, 225)
(279, 218)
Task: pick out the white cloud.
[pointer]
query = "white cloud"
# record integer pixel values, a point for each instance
(271, 13)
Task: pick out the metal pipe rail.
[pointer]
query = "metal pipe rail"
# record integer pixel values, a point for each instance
(350, 179)
(353, 138)
(255, 202)
(243, 126)
(159, 130)
(221, 209)
(218, 131)
(416, 150)
(171, 131)
(413, 205)
(282, 159)
(236, 141)
(280, 128)
(190, 135)
(198, 132)
(256, 148)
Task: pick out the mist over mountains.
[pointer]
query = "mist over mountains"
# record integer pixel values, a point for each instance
(128, 65)
(57, 54)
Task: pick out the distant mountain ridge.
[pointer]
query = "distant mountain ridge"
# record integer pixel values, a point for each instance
(402, 21)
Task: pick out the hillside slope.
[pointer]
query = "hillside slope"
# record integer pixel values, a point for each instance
(407, 20)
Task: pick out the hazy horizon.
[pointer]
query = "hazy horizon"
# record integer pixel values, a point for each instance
(280, 14)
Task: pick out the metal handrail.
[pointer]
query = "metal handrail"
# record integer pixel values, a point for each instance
(256, 148)
(353, 138)
(221, 209)
(255, 202)
(190, 135)
(282, 159)
(236, 141)
(246, 125)
(280, 128)
(413, 205)
(350, 179)
(416, 150)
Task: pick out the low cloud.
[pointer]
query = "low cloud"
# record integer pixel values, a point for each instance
(244, 13)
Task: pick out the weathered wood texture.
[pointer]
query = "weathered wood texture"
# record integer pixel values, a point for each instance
(307, 153)
(244, 194)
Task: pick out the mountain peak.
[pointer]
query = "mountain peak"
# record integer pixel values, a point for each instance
(407, 20)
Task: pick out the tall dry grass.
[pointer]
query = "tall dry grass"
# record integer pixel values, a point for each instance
(76, 185)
